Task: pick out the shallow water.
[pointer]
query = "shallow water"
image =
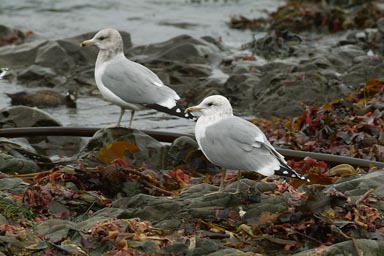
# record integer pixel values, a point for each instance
(95, 112)
(148, 21)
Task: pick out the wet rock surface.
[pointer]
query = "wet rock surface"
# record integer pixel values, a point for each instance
(141, 149)
(301, 68)
(23, 116)
(195, 220)
(124, 192)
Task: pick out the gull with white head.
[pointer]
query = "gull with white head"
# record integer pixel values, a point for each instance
(233, 143)
(128, 84)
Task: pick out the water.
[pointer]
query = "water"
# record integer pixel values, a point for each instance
(95, 112)
(148, 21)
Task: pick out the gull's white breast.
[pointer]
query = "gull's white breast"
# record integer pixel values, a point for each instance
(108, 94)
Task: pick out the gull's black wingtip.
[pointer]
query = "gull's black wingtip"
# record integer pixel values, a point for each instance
(289, 173)
(177, 110)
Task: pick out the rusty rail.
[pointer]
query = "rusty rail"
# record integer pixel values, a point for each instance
(171, 136)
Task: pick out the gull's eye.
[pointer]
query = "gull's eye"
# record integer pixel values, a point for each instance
(102, 38)
(210, 104)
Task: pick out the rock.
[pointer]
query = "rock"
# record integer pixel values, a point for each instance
(316, 69)
(278, 45)
(57, 145)
(181, 73)
(22, 116)
(359, 185)
(365, 247)
(197, 91)
(232, 252)
(282, 94)
(55, 229)
(13, 185)
(380, 25)
(182, 48)
(19, 57)
(239, 88)
(364, 68)
(52, 55)
(146, 207)
(315, 63)
(176, 249)
(180, 149)
(3, 221)
(206, 246)
(345, 55)
(36, 75)
(267, 205)
(18, 156)
(196, 202)
(102, 214)
(150, 152)
(11, 165)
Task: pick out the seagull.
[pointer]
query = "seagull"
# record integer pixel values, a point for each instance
(129, 84)
(3, 72)
(233, 143)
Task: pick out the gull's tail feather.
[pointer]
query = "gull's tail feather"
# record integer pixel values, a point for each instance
(177, 110)
(286, 171)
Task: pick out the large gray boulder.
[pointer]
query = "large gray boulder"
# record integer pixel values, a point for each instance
(146, 150)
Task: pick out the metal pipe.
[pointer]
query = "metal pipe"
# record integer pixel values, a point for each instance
(77, 132)
(171, 136)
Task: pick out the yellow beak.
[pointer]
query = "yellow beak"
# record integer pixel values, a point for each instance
(192, 109)
(87, 43)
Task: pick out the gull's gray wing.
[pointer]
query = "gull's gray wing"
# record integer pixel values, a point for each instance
(135, 83)
(235, 143)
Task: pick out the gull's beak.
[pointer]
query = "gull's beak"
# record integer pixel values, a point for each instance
(87, 43)
(193, 109)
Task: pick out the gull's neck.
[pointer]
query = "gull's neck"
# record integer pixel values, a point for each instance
(107, 54)
(206, 120)
(209, 119)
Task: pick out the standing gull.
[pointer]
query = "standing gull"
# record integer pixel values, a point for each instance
(234, 143)
(128, 84)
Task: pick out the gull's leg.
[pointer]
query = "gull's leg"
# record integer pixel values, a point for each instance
(130, 121)
(223, 174)
(221, 188)
(122, 110)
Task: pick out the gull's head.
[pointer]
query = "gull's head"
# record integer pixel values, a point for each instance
(105, 39)
(212, 106)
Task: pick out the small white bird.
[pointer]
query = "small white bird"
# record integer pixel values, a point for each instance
(234, 143)
(128, 84)
(3, 72)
